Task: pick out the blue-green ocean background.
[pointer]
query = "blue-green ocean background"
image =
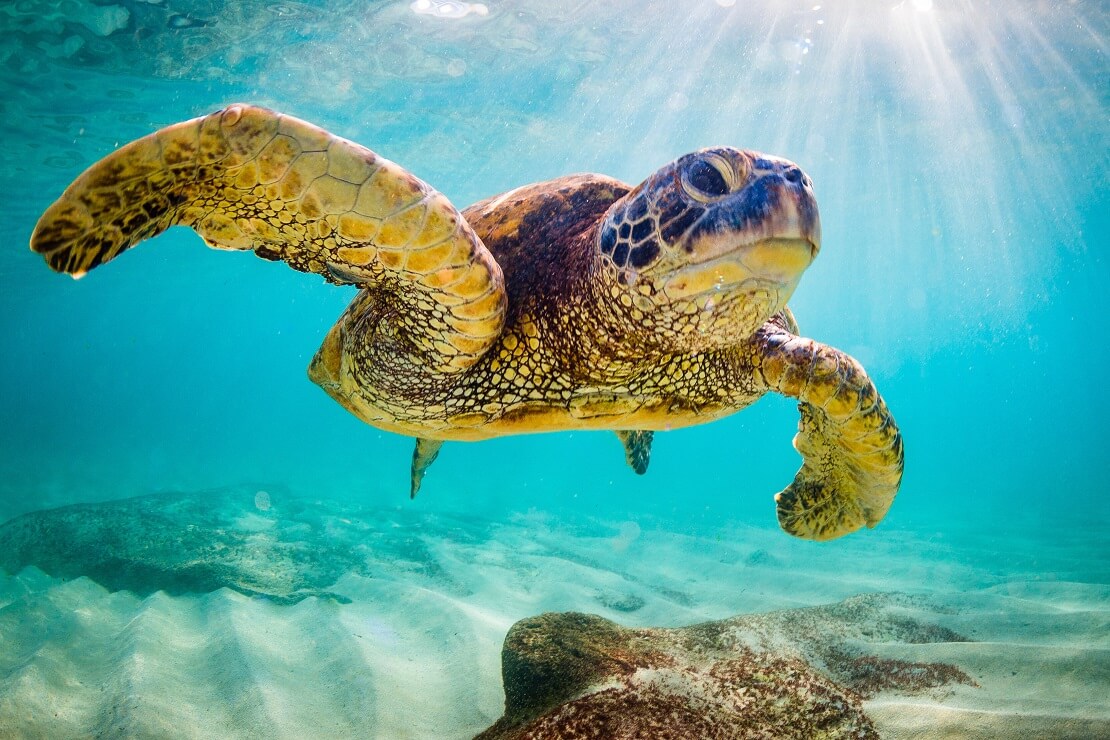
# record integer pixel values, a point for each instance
(959, 152)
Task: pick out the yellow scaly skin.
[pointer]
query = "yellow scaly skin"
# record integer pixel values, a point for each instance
(577, 303)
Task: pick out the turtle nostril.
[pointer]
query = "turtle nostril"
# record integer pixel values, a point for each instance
(793, 175)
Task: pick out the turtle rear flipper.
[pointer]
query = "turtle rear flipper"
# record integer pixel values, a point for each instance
(637, 448)
(248, 178)
(423, 455)
(851, 448)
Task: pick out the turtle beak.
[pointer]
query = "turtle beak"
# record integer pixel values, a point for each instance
(769, 231)
(781, 260)
(775, 209)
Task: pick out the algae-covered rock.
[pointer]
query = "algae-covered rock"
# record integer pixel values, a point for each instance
(179, 544)
(787, 674)
(266, 544)
(581, 676)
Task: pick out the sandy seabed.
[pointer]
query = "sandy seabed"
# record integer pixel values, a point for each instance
(285, 617)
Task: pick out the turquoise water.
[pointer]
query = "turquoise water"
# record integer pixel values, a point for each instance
(959, 153)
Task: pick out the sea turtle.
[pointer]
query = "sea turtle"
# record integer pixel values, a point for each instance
(577, 303)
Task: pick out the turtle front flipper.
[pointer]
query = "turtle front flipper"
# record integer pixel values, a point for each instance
(248, 178)
(850, 445)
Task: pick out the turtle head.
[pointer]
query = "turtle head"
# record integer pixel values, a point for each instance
(710, 246)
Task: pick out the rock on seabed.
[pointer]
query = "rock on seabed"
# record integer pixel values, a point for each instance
(581, 676)
(778, 675)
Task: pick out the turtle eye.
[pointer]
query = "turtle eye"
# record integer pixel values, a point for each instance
(706, 179)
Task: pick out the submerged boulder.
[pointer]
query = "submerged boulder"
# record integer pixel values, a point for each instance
(178, 543)
(265, 544)
(581, 676)
(789, 674)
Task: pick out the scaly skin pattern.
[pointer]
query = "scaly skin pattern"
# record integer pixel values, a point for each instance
(848, 439)
(579, 303)
(250, 178)
(560, 362)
